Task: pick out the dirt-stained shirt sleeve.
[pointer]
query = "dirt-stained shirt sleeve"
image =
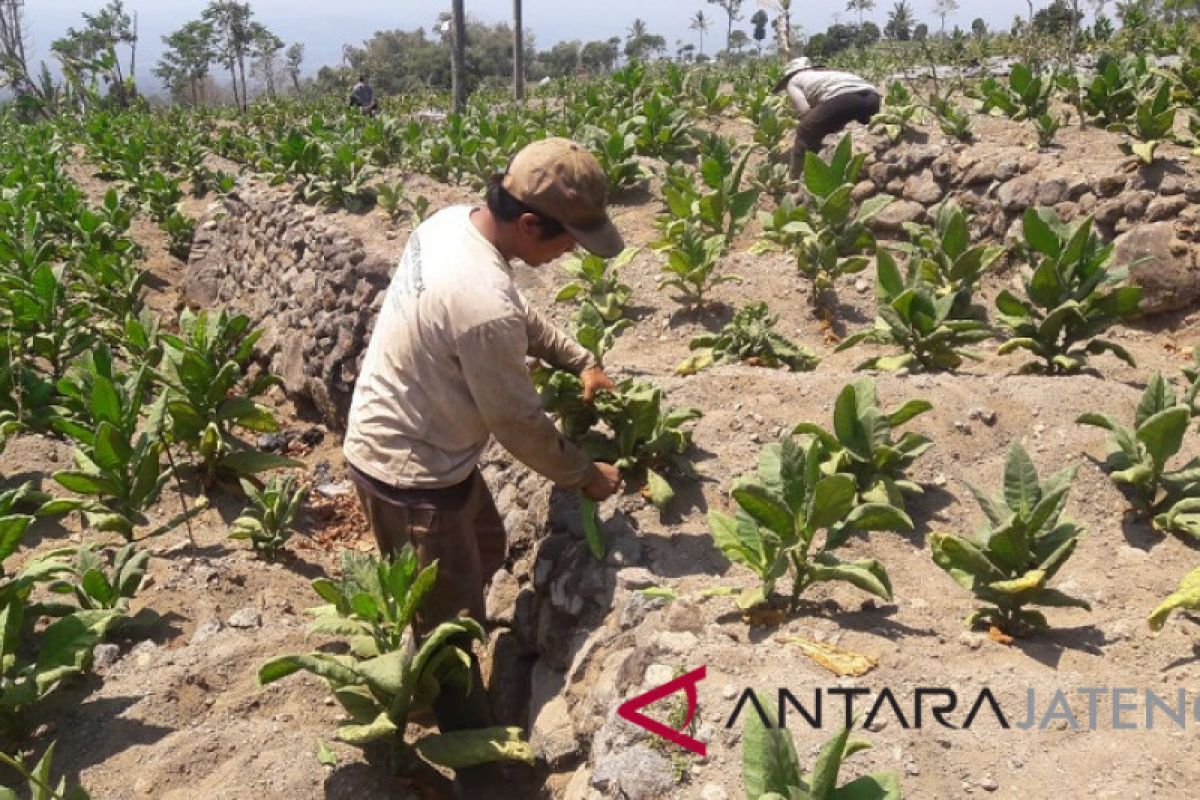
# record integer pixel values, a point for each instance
(492, 355)
(548, 343)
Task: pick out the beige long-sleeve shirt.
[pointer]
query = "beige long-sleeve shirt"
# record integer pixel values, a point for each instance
(446, 367)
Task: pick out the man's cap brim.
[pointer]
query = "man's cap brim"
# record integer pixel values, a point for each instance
(603, 240)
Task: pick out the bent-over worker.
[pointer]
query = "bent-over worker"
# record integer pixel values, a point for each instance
(826, 101)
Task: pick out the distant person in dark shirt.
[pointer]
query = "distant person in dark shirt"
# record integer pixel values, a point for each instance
(362, 96)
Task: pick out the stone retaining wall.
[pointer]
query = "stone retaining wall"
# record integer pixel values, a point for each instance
(1152, 213)
(313, 288)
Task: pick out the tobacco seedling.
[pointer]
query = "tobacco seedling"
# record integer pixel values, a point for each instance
(1047, 126)
(828, 236)
(771, 769)
(862, 444)
(268, 522)
(921, 324)
(207, 395)
(1025, 96)
(1137, 461)
(1152, 124)
(1068, 303)
(692, 262)
(597, 281)
(41, 785)
(792, 517)
(1009, 563)
(97, 586)
(901, 113)
(749, 337)
(941, 256)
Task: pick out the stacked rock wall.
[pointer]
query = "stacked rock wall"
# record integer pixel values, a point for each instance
(1153, 213)
(313, 288)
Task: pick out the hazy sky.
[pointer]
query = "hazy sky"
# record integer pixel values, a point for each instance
(325, 26)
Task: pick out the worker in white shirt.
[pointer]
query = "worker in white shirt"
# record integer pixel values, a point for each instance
(826, 101)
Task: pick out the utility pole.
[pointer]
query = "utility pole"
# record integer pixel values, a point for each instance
(458, 55)
(518, 53)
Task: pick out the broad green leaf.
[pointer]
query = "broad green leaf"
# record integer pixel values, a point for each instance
(831, 501)
(659, 491)
(469, 748)
(1187, 596)
(592, 534)
(1021, 488)
(769, 761)
(1162, 434)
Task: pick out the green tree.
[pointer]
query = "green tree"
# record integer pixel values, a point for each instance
(92, 50)
(600, 56)
(186, 61)
(1056, 19)
(700, 24)
(979, 28)
(943, 9)
(900, 22)
(759, 21)
(233, 38)
(292, 60)
(862, 7)
(738, 40)
(560, 60)
(642, 46)
(920, 33)
(733, 12)
(265, 49)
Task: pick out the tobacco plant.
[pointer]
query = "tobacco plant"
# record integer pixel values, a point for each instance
(596, 281)
(828, 236)
(1152, 124)
(208, 395)
(901, 113)
(914, 318)
(771, 769)
(36, 659)
(268, 522)
(1138, 458)
(1009, 563)
(1024, 96)
(749, 337)
(691, 266)
(1186, 597)
(1068, 302)
(387, 675)
(41, 785)
(941, 256)
(791, 518)
(862, 446)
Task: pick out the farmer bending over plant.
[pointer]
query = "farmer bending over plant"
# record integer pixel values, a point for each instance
(445, 369)
(826, 101)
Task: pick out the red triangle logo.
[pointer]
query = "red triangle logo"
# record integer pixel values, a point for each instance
(630, 710)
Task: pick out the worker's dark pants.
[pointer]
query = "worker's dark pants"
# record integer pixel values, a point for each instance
(460, 528)
(830, 117)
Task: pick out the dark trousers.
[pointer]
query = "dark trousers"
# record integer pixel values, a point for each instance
(460, 528)
(830, 117)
